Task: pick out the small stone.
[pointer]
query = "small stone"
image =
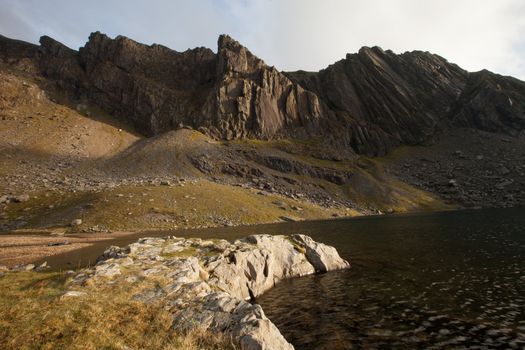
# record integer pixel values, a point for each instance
(58, 233)
(76, 222)
(21, 198)
(29, 267)
(73, 294)
(56, 244)
(107, 270)
(444, 331)
(42, 266)
(132, 279)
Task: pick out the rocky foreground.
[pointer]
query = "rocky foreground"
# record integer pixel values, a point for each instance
(209, 284)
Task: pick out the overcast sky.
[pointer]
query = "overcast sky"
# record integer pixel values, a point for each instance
(291, 34)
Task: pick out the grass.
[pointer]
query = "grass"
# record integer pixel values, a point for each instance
(33, 315)
(301, 150)
(185, 253)
(371, 185)
(200, 204)
(295, 245)
(205, 203)
(287, 145)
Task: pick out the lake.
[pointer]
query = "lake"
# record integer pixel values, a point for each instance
(442, 280)
(433, 280)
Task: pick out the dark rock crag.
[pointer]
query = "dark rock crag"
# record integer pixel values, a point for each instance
(390, 99)
(367, 103)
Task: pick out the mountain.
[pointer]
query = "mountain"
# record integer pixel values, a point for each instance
(373, 132)
(369, 102)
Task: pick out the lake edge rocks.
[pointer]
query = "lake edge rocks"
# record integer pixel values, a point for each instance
(209, 283)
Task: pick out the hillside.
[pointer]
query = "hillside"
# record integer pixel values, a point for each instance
(126, 136)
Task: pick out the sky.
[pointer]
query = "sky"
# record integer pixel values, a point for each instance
(291, 34)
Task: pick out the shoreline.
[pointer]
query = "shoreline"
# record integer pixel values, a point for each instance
(202, 290)
(211, 284)
(37, 248)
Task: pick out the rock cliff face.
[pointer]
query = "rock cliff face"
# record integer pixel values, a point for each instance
(368, 103)
(251, 99)
(491, 103)
(390, 99)
(154, 87)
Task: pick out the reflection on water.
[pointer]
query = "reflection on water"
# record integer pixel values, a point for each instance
(444, 280)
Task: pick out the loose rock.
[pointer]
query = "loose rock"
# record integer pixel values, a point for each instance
(76, 222)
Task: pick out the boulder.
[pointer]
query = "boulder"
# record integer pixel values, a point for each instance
(22, 267)
(289, 258)
(209, 287)
(73, 294)
(107, 270)
(42, 266)
(321, 256)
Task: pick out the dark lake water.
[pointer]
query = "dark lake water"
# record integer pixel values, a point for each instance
(444, 280)
(436, 280)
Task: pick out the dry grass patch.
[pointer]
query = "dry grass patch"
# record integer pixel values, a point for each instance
(371, 185)
(34, 315)
(200, 204)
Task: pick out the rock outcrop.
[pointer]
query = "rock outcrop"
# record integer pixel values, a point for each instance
(209, 283)
(251, 99)
(390, 99)
(156, 88)
(491, 103)
(368, 103)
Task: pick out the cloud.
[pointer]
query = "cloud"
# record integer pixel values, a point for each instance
(13, 23)
(311, 34)
(292, 34)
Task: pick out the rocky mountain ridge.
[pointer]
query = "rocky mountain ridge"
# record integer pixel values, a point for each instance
(368, 103)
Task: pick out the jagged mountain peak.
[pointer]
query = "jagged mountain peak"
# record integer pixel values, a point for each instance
(368, 102)
(234, 57)
(227, 42)
(370, 50)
